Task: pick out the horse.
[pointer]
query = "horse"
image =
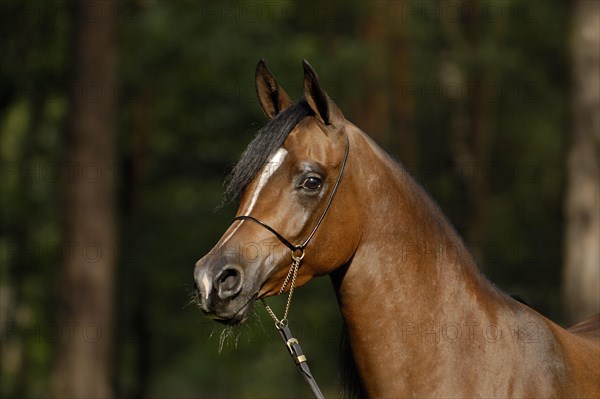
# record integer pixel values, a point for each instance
(421, 318)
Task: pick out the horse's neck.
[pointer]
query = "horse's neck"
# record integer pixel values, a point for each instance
(421, 319)
(412, 286)
(409, 252)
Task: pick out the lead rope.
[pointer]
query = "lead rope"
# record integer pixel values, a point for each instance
(292, 343)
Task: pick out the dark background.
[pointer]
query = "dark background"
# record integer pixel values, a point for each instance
(474, 97)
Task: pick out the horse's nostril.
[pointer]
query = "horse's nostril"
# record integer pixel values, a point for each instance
(228, 279)
(229, 282)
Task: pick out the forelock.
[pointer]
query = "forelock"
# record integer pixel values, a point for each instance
(266, 141)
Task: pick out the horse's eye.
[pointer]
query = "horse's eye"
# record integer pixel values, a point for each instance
(311, 183)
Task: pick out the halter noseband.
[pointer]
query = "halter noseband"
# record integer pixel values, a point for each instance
(302, 246)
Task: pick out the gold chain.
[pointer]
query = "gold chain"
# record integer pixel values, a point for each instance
(292, 274)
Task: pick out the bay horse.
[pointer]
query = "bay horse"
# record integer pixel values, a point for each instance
(422, 320)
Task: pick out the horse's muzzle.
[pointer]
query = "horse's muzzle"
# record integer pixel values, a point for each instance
(219, 290)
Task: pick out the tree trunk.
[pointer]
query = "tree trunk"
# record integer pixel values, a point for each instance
(582, 209)
(404, 139)
(469, 149)
(83, 363)
(385, 110)
(371, 111)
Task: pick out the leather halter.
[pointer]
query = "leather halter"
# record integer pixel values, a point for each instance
(292, 343)
(301, 247)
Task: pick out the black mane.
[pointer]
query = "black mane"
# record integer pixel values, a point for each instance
(267, 140)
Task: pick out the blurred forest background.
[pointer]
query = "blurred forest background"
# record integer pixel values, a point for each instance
(120, 120)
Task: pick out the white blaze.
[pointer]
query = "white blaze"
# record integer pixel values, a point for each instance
(206, 284)
(265, 174)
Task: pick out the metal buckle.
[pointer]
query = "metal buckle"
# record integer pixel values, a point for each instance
(298, 358)
(289, 344)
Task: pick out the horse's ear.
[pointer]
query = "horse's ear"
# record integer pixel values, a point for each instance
(325, 109)
(273, 99)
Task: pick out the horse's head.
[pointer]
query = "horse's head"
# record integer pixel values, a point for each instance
(286, 178)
